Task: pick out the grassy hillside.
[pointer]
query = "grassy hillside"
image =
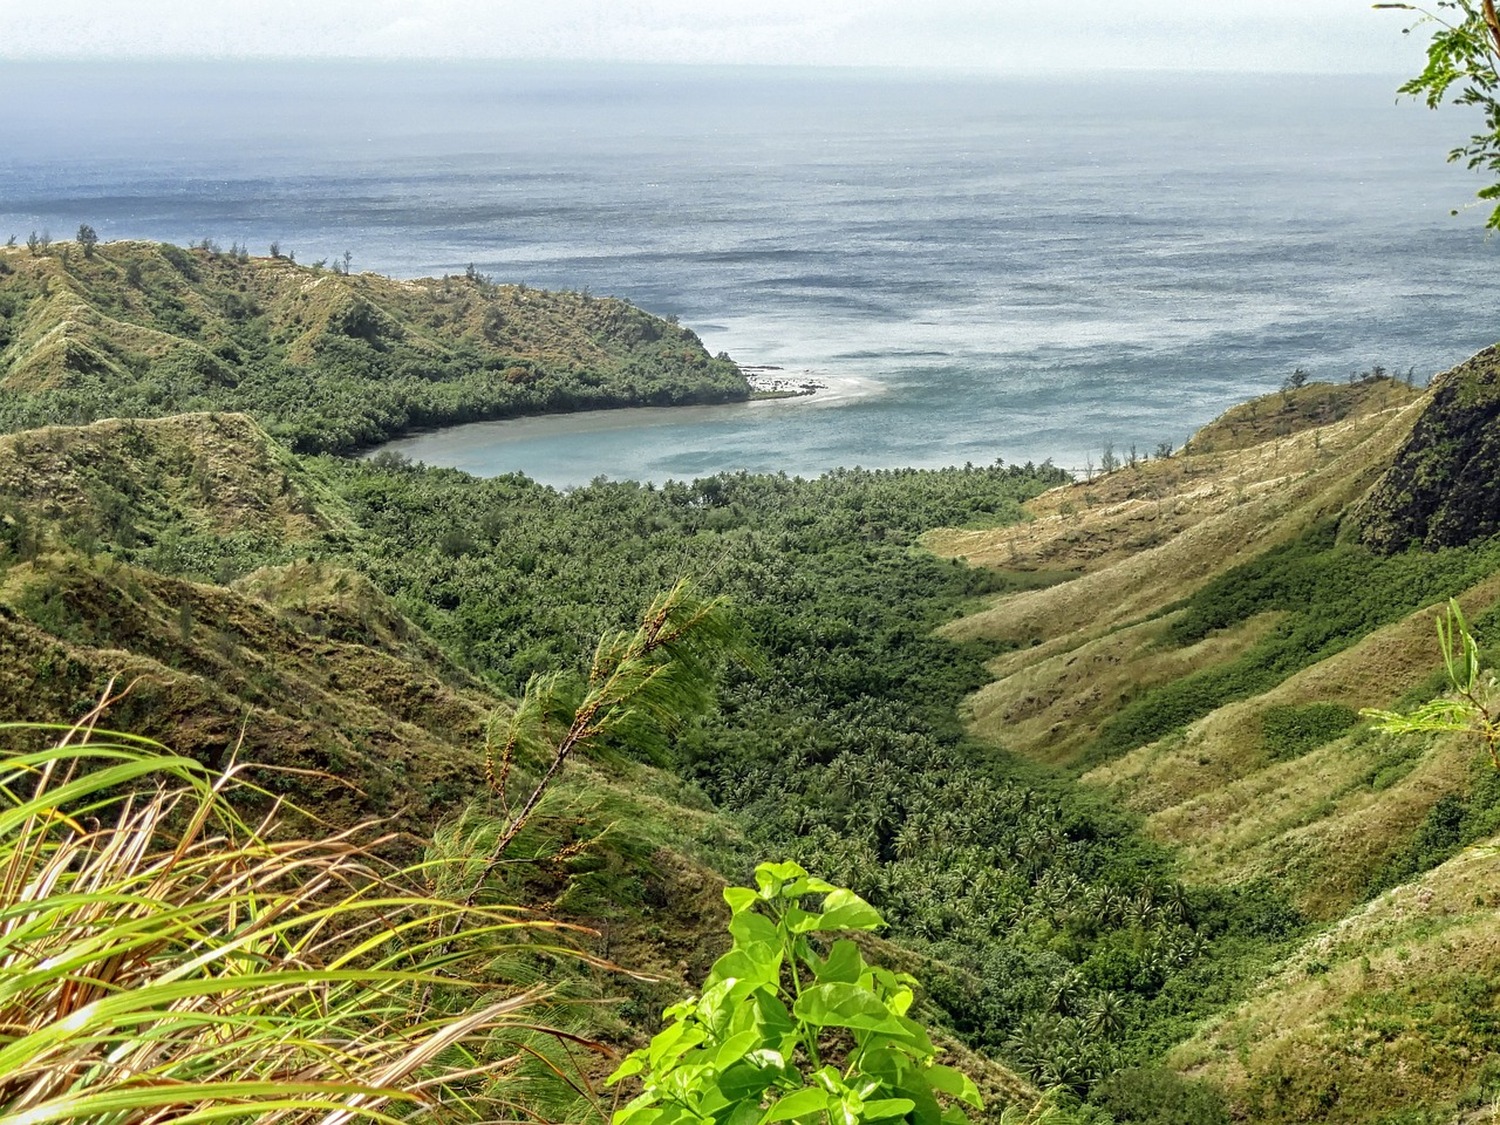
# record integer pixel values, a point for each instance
(1388, 1015)
(325, 360)
(1205, 666)
(111, 539)
(1093, 747)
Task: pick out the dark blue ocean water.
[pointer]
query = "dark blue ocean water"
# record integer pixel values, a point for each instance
(979, 267)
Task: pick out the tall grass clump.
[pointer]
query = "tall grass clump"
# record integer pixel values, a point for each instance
(164, 958)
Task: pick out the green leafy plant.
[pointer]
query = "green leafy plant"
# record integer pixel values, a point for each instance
(161, 958)
(1471, 705)
(783, 1032)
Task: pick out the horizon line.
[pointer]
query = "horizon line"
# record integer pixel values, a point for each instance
(1074, 72)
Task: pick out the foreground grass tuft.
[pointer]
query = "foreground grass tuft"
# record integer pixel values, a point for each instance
(161, 958)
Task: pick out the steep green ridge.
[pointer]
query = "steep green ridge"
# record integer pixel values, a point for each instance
(314, 685)
(117, 540)
(209, 496)
(1444, 488)
(325, 360)
(1147, 540)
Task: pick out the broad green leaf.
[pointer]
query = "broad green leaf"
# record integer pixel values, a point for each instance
(732, 1046)
(772, 1019)
(745, 1081)
(740, 899)
(633, 1064)
(955, 1083)
(830, 1079)
(689, 1080)
(735, 1048)
(844, 963)
(710, 1100)
(799, 921)
(757, 963)
(771, 877)
(637, 1105)
(766, 1056)
(715, 1007)
(916, 1035)
(741, 1006)
(672, 1042)
(900, 1000)
(845, 910)
(755, 929)
(641, 1111)
(847, 1005)
(886, 1062)
(805, 1101)
(810, 885)
(914, 1085)
(888, 1107)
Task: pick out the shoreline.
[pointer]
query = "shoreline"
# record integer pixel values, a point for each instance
(492, 447)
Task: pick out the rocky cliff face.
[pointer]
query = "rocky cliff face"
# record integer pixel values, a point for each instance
(1443, 489)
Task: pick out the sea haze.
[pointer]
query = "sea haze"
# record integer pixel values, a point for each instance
(978, 267)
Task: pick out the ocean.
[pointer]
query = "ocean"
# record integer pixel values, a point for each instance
(976, 267)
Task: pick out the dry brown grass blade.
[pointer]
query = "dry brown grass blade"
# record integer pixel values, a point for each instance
(162, 947)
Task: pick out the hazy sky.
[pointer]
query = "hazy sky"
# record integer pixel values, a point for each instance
(1007, 35)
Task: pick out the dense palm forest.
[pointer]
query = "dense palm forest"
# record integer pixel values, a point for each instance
(1057, 936)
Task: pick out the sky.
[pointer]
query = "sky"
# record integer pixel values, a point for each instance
(990, 35)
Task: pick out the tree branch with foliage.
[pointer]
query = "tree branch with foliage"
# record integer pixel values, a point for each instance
(1464, 52)
(640, 685)
(1470, 707)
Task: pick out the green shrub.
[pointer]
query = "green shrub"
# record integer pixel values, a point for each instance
(1288, 731)
(782, 1032)
(1151, 1096)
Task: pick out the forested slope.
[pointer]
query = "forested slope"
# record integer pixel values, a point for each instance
(308, 629)
(325, 359)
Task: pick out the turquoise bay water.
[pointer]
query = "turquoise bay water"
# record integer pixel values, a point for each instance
(978, 268)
